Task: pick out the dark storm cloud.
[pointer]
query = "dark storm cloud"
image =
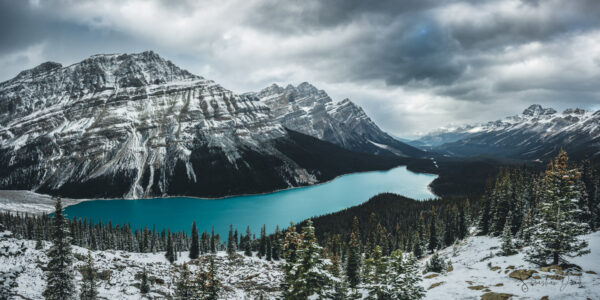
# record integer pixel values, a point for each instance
(19, 25)
(298, 16)
(434, 61)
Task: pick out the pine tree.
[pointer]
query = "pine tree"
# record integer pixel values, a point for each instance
(214, 285)
(262, 246)
(276, 244)
(503, 201)
(184, 288)
(89, 289)
(463, 229)
(340, 284)
(507, 243)
(451, 228)
(420, 242)
(231, 247)
(557, 227)
(213, 244)
(524, 233)
(436, 264)
(304, 277)
(404, 277)
(144, 286)
(375, 274)
(170, 254)
(194, 247)
(417, 247)
(371, 235)
(248, 243)
(591, 181)
(60, 275)
(269, 250)
(486, 206)
(433, 235)
(354, 257)
(39, 244)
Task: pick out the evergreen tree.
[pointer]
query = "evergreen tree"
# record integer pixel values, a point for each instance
(170, 254)
(89, 289)
(213, 243)
(375, 275)
(433, 235)
(371, 235)
(269, 249)
(304, 278)
(463, 229)
(276, 244)
(557, 228)
(417, 247)
(184, 288)
(194, 247)
(144, 286)
(214, 285)
(340, 284)
(436, 264)
(591, 181)
(231, 244)
(354, 257)
(502, 196)
(59, 276)
(485, 213)
(39, 244)
(451, 228)
(262, 246)
(404, 277)
(248, 243)
(525, 230)
(507, 243)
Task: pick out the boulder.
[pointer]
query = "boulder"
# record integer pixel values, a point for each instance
(436, 285)
(495, 296)
(521, 274)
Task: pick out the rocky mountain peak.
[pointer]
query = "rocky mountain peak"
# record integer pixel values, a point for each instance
(536, 110)
(574, 111)
(42, 68)
(306, 87)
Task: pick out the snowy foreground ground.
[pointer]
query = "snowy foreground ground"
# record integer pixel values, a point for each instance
(30, 202)
(476, 271)
(479, 270)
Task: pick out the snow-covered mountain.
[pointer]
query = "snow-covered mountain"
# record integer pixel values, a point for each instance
(136, 125)
(537, 133)
(308, 110)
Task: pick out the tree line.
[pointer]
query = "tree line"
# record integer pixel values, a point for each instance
(548, 211)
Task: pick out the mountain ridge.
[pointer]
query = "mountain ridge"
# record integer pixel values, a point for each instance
(311, 111)
(136, 125)
(536, 133)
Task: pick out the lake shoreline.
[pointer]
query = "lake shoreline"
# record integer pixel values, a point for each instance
(270, 209)
(40, 203)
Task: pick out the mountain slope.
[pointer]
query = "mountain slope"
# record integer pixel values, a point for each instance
(136, 125)
(311, 111)
(537, 133)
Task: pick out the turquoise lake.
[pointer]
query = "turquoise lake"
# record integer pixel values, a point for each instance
(277, 208)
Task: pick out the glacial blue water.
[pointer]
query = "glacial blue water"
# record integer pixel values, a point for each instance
(277, 208)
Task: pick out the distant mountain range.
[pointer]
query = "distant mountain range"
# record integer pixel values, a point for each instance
(136, 125)
(537, 133)
(310, 111)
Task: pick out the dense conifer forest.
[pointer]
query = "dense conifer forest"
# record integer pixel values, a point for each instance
(371, 248)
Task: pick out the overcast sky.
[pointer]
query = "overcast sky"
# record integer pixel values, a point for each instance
(413, 65)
